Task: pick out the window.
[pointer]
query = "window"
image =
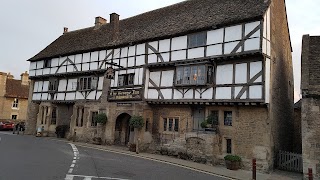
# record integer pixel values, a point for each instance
(87, 83)
(93, 118)
(14, 117)
(47, 63)
(196, 40)
(194, 75)
(125, 80)
(171, 124)
(229, 146)
(54, 115)
(147, 124)
(228, 118)
(80, 114)
(53, 84)
(15, 103)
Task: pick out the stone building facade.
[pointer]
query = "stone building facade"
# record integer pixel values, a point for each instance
(310, 108)
(13, 97)
(175, 66)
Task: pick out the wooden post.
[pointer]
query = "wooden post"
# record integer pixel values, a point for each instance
(310, 174)
(254, 169)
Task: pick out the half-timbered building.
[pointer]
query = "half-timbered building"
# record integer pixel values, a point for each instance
(175, 66)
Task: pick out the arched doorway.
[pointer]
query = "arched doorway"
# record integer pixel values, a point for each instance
(122, 129)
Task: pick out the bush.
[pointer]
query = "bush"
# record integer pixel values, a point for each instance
(204, 124)
(232, 158)
(213, 120)
(101, 118)
(136, 122)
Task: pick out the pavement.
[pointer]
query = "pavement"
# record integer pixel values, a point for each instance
(219, 171)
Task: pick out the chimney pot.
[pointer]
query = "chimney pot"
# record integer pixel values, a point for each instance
(99, 21)
(65, 30)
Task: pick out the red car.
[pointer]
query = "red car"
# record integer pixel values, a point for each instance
(6, 125)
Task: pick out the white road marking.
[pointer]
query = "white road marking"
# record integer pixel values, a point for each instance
(70, 170)
(71, 176)
(74, 161)
(76, 156)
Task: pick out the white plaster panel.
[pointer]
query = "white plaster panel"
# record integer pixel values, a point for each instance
(35, 87)
(268, 48)
(251, 26)
(179, 43)
(130, 61)
(91, 95)
(132, 51)
(60, 96)
(102, 55)
(197, 94)
(40, 85)
(122, 72)
(140, 76)
(54, 62)
(153, 94)
(178, 55)
(39, 72)
(152, 58)
(94, 56)
(189, 94)
(140, 60)
(236, 92)
(35, 96)
(214, 50)
(124, 52)
(72, 84)
(78, 59)
(39, 64)
(112, 83)
(264, 46)
(167, 93)
(255, 92)
(154, 44)
(241, 73)
(99, 93)
(164, 45)
(86, 57)
(177, 94)
(70, 68)
(228, 47)
(233, 33)
(116, 79)
(62, 85)
(116, 54)
(100, 83)
(44, 96)
(70, 96)
(268, 25)
(224, 74)
(255, 68)
(62, 69)
(85, 67)
(129, 71)
(252, 44)
(32, 73)
(223, 93)
(54, 70)
(196, 53)
(165, 56)
(116, 61)
(141, 49)
(146, 83)
(155, 77)
(215, 36)
(71, 58)
(267, 80)
(207, 94)
(46, 71)
(109, 54)
(93, 65)
(123, 62)
(79, 95)
(45, 86)
(32, 65)
(167, 78)
(136, 76)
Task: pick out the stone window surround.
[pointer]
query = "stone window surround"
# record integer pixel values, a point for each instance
(162, 125)
(224, 145)
(221, 111)
(15, 104)
(92, 122)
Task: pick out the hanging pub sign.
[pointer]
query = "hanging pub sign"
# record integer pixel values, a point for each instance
(119, 95)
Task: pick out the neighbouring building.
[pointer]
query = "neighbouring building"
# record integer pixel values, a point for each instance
(13, 97)
(310, 104)
(175, 66)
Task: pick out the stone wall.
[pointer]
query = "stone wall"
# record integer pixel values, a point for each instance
(32, 113)
(297, 141)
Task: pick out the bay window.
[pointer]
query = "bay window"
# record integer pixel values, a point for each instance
(194, 75)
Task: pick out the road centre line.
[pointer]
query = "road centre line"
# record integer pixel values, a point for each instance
(74, 161)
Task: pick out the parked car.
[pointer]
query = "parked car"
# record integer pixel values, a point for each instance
(6, 125)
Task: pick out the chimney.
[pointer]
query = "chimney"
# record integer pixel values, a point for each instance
(10, 76)
(65, 30)
(114, 22)
(99, 21)
(25, 78)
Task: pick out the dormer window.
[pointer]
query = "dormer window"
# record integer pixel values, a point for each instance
(47, 63)
(194, 75)
(197, 39)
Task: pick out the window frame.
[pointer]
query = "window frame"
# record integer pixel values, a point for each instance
(47, 63)
(174, 126)
(184, 75)
(195, 41)
(87, 83)
(228, 146)
(227, 122)
(53, 85)
(93, 121)
(14, 115)
(125, 80)
(53, 116)
(15, 104)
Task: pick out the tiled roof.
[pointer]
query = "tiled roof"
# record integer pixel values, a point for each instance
(177, 19)
(14, 89)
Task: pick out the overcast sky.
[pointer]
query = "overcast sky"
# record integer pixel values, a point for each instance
(27, 27)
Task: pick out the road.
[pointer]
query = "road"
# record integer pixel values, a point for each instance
(30, 158)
